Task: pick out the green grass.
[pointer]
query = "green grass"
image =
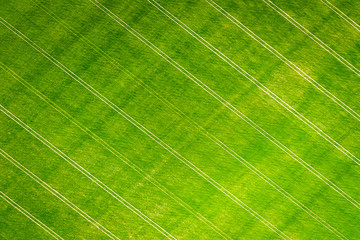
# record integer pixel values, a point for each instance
(170, 105)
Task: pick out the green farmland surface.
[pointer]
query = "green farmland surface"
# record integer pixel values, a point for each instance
(136, 119)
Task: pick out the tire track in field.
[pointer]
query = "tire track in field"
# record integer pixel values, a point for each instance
(285, 60)
(147, 132)
(251, 123)
(116, 153)
(189, 120)
(341, 14)
(29, 216)
(259, 85)
(85, 172)
(313, 37)
(57, 194)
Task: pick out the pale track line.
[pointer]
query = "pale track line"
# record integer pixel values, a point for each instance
(285, 60)
(116, 153)
(188, 119)
(100, 140)
(91, 177)
(313, 37)
(213, 138)
(30, 216)
(58, 195)
(265, 90)
(85, 172)
(264, 177)
(247, 120)
(341, 14)
(147, 132)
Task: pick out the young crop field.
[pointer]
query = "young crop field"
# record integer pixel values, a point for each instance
(180, 119)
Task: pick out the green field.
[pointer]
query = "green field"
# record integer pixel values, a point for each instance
(181, 119)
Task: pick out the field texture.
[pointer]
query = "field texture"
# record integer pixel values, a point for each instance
(186, 119)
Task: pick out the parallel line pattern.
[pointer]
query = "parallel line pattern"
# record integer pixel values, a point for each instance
(85, 172)
(237, 112)
(267, 91)
(285, 60)
(313, 37)
(341, 14)
(147, 132)
(116, 153)
(57, 194)
(30, 216)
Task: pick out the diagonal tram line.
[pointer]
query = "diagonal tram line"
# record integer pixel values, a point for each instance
(57, 194)
(30, 216)
(142, 173)
(147, 132)
(341, 14)
(313, 37)
(179, 112)
(239, 114)
(210, 136)
(85, 172)
(213, 93)
(174, 109)
(116, 153)
(257, 83)
(285, 60)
